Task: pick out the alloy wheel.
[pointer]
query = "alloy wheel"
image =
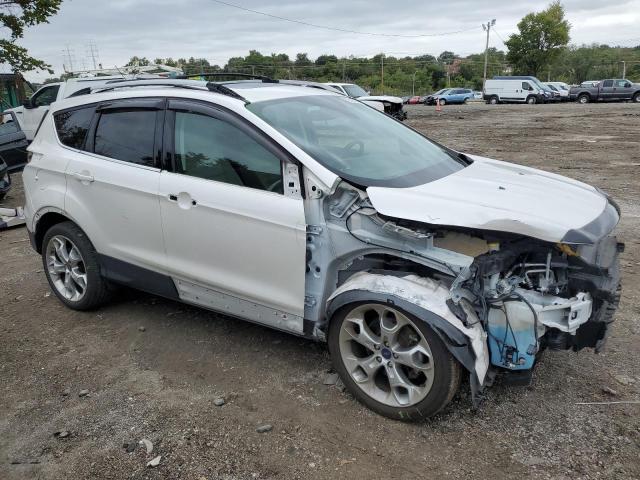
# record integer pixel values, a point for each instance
(66, 268)
(386, 355)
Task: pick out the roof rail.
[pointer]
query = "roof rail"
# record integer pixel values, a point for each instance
(230, 74)
(177, 83)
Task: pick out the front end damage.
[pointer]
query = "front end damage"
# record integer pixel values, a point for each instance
(496, 299)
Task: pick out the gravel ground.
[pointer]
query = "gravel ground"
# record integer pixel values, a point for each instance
(155, 369)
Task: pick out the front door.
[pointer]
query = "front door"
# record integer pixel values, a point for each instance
(38, 105)
(235, 242)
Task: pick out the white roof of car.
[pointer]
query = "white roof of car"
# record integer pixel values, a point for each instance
(251, 91)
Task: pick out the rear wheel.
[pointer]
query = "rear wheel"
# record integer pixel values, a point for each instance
(493, 100)
(391, 361)
(72, 269)
(584, 98)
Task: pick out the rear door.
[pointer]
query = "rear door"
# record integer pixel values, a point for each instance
(13, 142)
(234, 232)
(112, 179)
(607, 90)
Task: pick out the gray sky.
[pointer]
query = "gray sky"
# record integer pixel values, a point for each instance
(204, 28)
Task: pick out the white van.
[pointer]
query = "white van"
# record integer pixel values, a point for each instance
(512, 91)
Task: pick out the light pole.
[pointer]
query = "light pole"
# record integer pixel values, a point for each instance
(413, 84)
(624, 69)
(487, 28)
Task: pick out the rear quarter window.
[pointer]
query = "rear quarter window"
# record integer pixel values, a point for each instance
(72, 126)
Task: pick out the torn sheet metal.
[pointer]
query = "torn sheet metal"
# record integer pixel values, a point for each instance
(429, 295)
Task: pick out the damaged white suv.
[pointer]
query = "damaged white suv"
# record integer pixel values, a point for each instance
(309, 212)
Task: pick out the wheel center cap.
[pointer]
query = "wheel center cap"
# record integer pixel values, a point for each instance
(386, 353)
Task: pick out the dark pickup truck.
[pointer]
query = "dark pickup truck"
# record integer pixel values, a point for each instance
(610, 90)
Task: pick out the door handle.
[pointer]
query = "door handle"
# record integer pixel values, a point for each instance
(183, 200)
(83, 177)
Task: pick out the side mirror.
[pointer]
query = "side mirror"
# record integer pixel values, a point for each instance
(27, 103)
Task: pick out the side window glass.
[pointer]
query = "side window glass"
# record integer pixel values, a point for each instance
(607, 83)
(526, 86)
(72, 126)
(46, 96)
(7, 125)
(621, 83)
(126, 135)
(213, 149)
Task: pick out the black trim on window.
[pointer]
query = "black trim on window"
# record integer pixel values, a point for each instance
(232, 117)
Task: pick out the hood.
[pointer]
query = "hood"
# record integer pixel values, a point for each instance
(381, 98)
(504, 197)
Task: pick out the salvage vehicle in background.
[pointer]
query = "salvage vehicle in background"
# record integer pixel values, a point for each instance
(610, 90)
(13, 142)
(431, 98)
(562, 89)
(31, 112)
(513, 91)
(454, 96)
(391, 105)
(5, 179)
(416, 263)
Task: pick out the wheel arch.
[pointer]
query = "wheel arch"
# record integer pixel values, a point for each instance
(426, 300)
(43, 221)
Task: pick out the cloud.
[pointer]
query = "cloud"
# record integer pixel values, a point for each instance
(204, 28)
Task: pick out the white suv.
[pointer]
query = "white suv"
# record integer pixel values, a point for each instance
(309, 212)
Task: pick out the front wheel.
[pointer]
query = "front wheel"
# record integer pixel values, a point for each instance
(72, 269)
(532, 100)
(391, 361)
(443, 102)
(636, 98)
(584, 98)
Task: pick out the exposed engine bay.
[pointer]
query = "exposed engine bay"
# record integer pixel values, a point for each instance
(512, 296)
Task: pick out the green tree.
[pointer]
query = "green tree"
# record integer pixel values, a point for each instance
(543, 35)
(16, 15)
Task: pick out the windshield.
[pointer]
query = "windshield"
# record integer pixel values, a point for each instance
(440, 92)
(355, 91)
(358, 143)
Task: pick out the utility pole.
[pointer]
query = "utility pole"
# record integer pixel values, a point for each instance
(413, 84)
(343, 73)
(382, 66)
(93, 53)
(624, 69)
(68, 53)
(486, 27)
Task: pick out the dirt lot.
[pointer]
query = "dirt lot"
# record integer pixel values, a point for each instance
(160, 382)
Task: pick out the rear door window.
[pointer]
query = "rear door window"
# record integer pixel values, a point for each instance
(126, 135)
(72, 126)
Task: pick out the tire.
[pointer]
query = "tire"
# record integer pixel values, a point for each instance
(465, 101)
(65, 275)
(531, 100)
(434, 382)
(583, 98)
(493, 100)
(443, 102)
(636, 98)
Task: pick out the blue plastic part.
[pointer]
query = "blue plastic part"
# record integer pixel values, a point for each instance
(518, 350)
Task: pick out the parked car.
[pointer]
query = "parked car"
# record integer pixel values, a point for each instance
(454, 96)
(562, 89)
(13, 142)
(414, 262)
(610, 90)
(405, 99)
(431, 99)
(391, 105)
(548, 95)
(5, 179)
(477, 95)
(32, 111)
(513, 91)
(414, 100)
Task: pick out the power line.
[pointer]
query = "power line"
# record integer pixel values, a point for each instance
(336, 29)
